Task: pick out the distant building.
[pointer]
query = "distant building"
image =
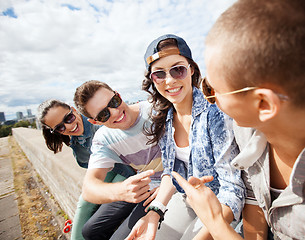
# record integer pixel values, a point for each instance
(2, 117)
(19, 115)
(29, 111)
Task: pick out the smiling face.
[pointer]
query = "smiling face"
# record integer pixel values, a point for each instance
(57, 114)
(176, 91)
(120, 117)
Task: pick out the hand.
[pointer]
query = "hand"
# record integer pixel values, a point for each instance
(145, 228)
(201, 198)
(136, 188)
(153, 194)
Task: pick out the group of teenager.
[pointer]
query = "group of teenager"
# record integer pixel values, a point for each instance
(202, 155)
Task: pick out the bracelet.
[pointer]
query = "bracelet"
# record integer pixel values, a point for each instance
(158, 204)
(160, 213)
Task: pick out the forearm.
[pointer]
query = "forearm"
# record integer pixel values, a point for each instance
(205, 234)
(134, 189)
(221, 229)
(164, 195)
(166, 191)
(99, 192)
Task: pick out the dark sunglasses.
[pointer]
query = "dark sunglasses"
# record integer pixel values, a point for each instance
(68, 119)
(178, 72)
(114, 102)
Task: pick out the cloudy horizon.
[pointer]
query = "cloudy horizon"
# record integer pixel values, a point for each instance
(48, 48)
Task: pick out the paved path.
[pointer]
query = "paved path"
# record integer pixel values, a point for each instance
(9, 215)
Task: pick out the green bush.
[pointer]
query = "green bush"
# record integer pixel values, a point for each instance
(6, 130)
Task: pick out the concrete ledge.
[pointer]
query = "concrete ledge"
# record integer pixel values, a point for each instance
(60, 172)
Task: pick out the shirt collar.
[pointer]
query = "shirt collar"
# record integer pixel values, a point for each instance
(252, 144)
(87, 131)
(297, 177)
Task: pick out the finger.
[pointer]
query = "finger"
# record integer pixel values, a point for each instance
(150, 198)
(142, 175)
(141, 197)
(198, 182)
(131, 235)
(206, 179)
(153, 190)
(141, 184)
(135, 231)
(182, 182)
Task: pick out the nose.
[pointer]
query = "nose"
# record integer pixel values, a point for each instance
(114, 112)
(69, 126)
(169, 79)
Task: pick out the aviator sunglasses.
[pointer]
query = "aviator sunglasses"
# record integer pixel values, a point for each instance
(209, 92)
(178, 72)
(68, 119)
(114, 102)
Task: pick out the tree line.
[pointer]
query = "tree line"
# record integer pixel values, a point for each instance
(6, 130)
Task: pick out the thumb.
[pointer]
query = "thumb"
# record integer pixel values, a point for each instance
(198, 181)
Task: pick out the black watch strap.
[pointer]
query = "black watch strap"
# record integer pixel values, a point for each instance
(160, 213)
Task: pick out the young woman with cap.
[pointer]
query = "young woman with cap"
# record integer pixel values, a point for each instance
(196, 139)
(62, 124)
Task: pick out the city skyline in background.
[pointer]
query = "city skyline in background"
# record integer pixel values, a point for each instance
(49, 48)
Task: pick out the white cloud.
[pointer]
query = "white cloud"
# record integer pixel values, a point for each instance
(54, 46)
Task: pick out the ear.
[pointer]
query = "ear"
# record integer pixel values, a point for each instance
(192, 70)
(268, 104)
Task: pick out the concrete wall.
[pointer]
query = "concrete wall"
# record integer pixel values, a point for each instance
(60, 171)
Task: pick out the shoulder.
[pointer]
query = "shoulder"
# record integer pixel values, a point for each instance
(145, 106)
(103, 133)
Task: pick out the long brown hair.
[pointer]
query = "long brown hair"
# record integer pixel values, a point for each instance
(160, 105)
(54, 141)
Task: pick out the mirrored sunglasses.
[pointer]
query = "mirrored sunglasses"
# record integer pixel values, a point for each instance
(178, 72)
(68, 119)
(114, 102)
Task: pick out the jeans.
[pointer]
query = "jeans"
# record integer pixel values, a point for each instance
(123, 231)
(106, 220)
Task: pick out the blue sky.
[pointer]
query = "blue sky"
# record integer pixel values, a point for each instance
(48, 48)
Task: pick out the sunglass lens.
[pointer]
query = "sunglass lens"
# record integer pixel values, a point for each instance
(178, 72)
(115, 102)
(70, 118)
(158, 75)
(103, 116)
(60, 128)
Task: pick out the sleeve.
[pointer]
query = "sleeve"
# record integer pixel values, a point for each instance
(232, 189)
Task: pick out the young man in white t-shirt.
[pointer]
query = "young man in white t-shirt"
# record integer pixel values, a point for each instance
(121, 140)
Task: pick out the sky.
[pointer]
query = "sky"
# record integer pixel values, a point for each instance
(49, 48)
